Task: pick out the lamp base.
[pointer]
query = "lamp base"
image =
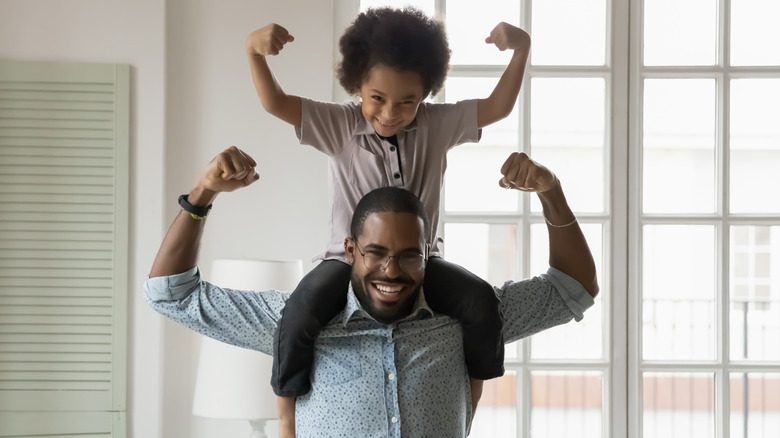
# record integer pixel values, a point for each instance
(258, 429)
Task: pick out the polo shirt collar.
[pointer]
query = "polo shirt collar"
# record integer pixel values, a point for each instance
(355, 311)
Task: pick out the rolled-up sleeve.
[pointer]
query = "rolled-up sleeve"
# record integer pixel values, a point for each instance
(536, 304)
(243, 318)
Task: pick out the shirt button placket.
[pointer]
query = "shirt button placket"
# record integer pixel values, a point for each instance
(391, 386)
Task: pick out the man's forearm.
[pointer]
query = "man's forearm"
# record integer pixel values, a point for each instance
(569, 251)
(179, 249)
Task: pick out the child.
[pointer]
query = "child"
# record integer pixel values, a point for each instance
(392, 59)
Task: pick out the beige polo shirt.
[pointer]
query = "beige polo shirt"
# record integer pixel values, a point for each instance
(361, 161)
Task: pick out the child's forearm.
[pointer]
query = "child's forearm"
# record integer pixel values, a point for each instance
(502, 100)
(270, 40)
(274, 100)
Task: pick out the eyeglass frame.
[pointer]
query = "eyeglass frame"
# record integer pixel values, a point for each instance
(386, 262)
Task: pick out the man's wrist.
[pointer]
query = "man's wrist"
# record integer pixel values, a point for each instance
(555, 208)
(202, 197)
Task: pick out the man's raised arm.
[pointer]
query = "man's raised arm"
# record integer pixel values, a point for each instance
(569, 251)
(230, 170)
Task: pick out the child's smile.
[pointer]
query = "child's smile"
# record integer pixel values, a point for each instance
(391, 98)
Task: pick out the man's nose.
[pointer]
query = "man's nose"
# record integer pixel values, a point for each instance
(391, 266)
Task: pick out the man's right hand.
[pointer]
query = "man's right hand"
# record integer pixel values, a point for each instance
(228, 171)
(231, 170)
(268, 40)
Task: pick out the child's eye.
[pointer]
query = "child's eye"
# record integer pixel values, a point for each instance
(377, 98)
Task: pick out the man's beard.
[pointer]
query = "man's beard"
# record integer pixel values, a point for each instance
(368, 305)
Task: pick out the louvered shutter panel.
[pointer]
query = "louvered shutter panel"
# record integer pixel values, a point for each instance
(63, 249)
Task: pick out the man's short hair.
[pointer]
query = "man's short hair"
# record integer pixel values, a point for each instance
(394, 199)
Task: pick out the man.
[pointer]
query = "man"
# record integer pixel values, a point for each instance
(387, 365)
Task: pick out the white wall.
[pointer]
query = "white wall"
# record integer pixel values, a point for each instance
(191, 96)
(212, 105)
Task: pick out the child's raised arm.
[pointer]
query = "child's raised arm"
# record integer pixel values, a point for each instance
(501, 101)
(269, 40)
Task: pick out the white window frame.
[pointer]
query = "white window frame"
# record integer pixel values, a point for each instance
(722, 220)
(622, 219)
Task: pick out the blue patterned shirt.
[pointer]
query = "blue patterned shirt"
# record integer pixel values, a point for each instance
(370, 379)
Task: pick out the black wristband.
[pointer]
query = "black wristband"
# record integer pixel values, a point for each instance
(194, 211)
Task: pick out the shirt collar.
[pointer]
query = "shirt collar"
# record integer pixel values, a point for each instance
(355, 311)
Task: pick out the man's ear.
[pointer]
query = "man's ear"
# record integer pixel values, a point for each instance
(349, 249)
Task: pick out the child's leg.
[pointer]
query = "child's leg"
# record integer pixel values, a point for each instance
(320, 296)
(286, 408)
(454, 291)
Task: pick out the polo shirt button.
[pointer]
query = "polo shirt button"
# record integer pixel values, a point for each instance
(394, 420)
(392, 148)
(391, 376)
(389, 340)
(397, 175)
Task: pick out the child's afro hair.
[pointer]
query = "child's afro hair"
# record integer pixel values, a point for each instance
(403, 39)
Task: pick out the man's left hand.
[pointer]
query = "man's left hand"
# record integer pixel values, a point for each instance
(522, 173)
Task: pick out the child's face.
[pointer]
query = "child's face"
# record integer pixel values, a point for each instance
(390, 98)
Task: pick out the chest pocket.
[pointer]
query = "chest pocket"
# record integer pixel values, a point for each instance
(336, 361)
(367, 170)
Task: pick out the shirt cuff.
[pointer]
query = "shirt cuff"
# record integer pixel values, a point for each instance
(574, 295)
(172, 287)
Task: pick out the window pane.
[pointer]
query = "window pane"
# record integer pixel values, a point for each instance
(678, 292)
(566, 404)
(471, 181)
(580, 340)
(568, 135)
(679, 146)
(505, 132)
(468, 24)
(554, 22)
(487, 250)
(680, 32)
(755, 145)
(753, 24)
(755, 293)
(755, 405)
(497, 409)
(678, 405)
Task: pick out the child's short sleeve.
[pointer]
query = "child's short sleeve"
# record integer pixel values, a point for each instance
(452, 124)
(327, 126)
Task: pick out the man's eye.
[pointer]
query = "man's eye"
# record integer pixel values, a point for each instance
(378, 254)
(410, 257)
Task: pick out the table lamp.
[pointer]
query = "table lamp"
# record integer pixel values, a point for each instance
(234, 383)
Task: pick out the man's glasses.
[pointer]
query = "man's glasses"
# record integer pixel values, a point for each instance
(378, 260)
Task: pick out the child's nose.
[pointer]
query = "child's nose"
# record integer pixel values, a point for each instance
(389, 111)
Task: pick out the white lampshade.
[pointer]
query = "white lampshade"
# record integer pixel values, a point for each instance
(232, 382)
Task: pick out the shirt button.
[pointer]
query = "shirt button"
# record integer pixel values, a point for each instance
(392, 148)
(391, 376)
(394, 420)
(396, 175)
(389, 340)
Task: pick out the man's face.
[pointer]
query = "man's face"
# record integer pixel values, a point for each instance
(388, 292)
